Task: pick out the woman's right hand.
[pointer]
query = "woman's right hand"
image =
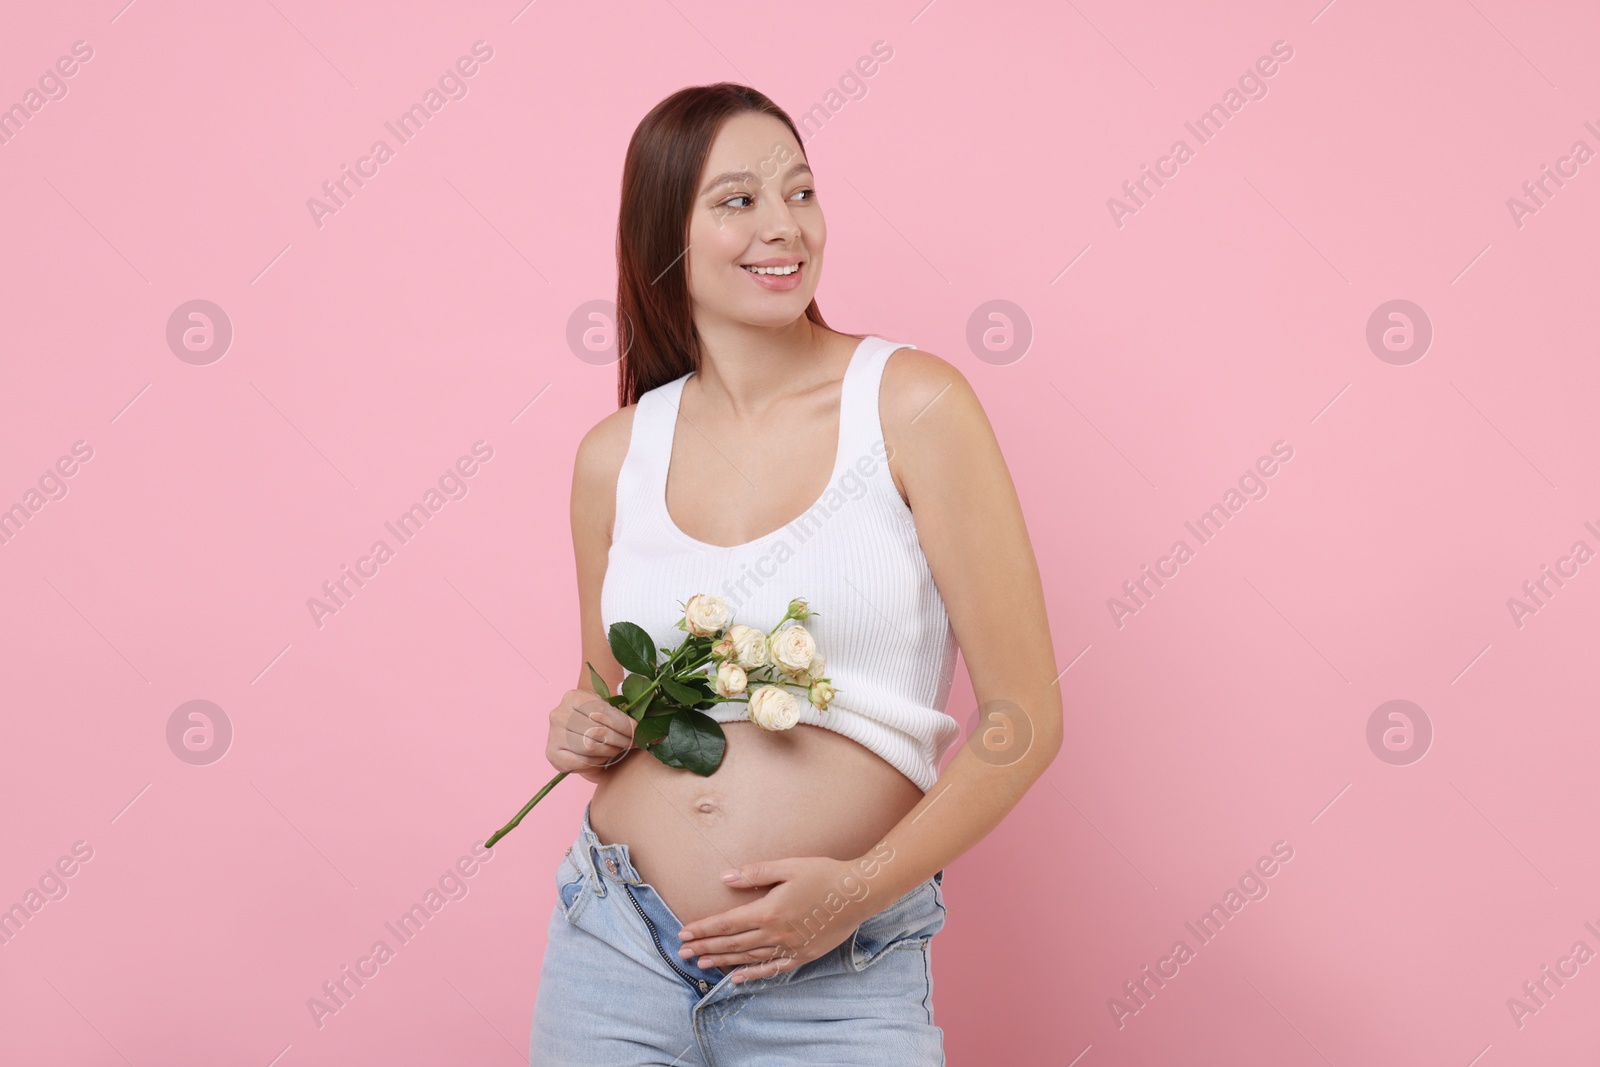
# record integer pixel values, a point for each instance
(587, 735)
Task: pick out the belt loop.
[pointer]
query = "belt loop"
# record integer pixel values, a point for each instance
(585, 869)
(584, 861)
(587, 839)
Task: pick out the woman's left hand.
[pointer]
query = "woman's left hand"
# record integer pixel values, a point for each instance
(800, 919)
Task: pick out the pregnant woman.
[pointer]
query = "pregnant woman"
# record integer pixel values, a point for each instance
(780, 911)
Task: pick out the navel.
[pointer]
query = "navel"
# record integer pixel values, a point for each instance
(707, 807)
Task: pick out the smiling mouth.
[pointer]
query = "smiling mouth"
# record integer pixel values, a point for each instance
(775, 272)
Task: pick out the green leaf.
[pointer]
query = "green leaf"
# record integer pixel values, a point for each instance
(651, 730)
(708, 693)
(633, 648)
(694, 742)
(633, 686)
(686, 695)
(660, 705)
(598, 682)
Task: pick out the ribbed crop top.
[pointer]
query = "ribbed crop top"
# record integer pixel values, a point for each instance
(854, 555)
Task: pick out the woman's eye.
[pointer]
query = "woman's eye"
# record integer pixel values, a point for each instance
(732, 201)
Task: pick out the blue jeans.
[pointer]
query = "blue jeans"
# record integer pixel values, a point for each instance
(614, 993)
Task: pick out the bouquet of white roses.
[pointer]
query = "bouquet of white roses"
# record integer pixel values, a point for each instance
(667, 699)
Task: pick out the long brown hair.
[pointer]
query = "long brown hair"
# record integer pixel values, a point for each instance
(656, 335)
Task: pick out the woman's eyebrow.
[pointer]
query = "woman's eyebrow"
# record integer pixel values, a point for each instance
(734, 176)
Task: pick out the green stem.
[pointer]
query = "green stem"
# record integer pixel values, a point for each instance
(512, 825)
(674, 657)
(697, 664)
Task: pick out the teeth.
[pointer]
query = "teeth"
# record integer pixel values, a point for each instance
(779, 271)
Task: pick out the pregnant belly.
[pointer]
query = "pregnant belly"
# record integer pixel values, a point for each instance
(806, 791)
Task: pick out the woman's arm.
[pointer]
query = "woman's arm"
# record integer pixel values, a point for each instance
(972, 531)
(593, 507)
(943, 451)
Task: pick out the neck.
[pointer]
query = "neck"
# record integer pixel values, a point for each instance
(746, 370)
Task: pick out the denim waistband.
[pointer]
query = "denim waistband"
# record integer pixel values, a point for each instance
(601, 861)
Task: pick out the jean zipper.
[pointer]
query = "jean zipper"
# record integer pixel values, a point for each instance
(656, 937)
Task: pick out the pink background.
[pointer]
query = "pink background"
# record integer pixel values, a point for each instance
(1167, 354)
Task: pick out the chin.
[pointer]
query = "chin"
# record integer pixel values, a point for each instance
(769, 316)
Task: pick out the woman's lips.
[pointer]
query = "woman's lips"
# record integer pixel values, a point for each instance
(778, 282)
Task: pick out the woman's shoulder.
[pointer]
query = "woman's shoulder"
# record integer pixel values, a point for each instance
(605, 446)
(595, 472)
(933, 423)
(601, 452)
(915, 381)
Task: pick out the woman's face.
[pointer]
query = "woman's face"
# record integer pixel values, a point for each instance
(755, 205)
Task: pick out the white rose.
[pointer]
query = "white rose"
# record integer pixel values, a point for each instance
(821, 694)
(813, 672)
(705, 614)
(749, 646)
(792, 649)
(731, 680)
(773, 708)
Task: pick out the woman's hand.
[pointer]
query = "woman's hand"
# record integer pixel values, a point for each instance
(587, 735)
(805, 915)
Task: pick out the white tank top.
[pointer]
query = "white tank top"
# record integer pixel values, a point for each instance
(854, 555)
